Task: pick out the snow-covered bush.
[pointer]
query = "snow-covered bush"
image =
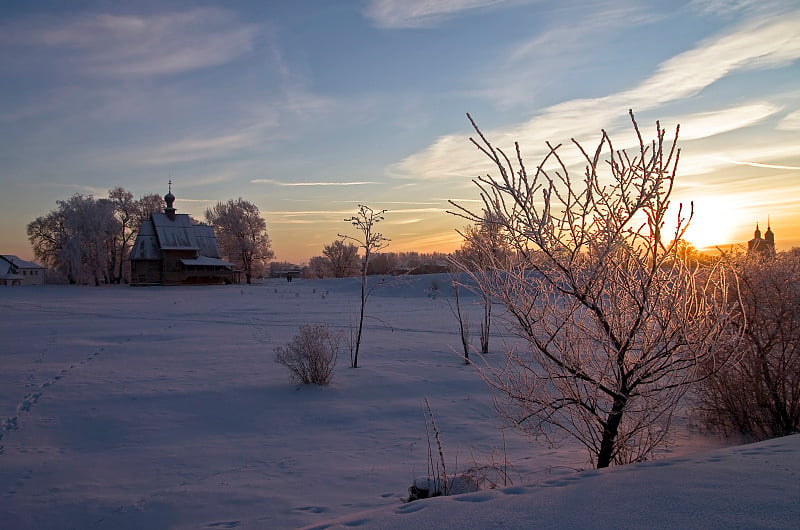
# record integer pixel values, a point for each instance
(311, 355)
(759, 396)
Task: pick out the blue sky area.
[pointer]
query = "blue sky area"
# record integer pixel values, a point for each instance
(307, 108)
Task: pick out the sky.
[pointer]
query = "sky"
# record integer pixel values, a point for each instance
(309, 108)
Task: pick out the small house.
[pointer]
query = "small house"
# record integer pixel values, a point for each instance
(171, 250)
(15, 271)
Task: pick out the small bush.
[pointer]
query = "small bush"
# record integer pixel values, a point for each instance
(311, 355)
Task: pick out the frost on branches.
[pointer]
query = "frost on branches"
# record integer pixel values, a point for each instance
(614, 322)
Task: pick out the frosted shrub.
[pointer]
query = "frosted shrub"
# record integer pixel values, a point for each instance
(759, 396)
(311, 355)
(615, 326)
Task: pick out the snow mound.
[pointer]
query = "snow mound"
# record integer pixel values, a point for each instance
(749, 486)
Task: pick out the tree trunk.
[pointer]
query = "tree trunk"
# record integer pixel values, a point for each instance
(610, 431)
(463, 327)
(361, 318)
(486, 324)
(120, 269)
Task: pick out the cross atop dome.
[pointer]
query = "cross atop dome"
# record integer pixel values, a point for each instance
(170, 199)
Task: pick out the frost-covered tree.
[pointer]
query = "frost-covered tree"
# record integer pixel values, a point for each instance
(759, 396)
(614, 327)
(485, 250)
(87, 239)
(76, 239)
(370, 241)
(342, 258)
(242, 234)
(92, 227)
(318, 267)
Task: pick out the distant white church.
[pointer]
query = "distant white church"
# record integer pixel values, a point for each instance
(15, 271)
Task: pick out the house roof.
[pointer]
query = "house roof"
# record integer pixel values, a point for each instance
(177, 233)
(146, 245)
(206, 240)
(20, 263)
(162, 233)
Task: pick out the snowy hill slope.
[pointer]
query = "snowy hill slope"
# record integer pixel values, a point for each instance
(749, 486)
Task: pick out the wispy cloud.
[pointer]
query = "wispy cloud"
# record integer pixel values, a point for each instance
(200, 148)
(706, 124)
(445, 239)
(140, 45)
(714, 159)
(316, 216)
(756, 45)
(747, 7)
(201, 201)
(319, 183)
(423, 13)
(417, 210)
(302, 213)
(790, 122)
(533, 64)
(758, 164)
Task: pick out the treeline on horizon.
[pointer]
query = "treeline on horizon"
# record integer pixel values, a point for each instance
(87, 240)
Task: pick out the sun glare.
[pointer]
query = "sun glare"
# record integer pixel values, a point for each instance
(714, 222)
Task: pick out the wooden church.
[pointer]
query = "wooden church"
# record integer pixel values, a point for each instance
(171, 250)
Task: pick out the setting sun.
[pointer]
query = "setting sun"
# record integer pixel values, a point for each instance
(714, 222)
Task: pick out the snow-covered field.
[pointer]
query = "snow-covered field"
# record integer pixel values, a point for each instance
(162, 408)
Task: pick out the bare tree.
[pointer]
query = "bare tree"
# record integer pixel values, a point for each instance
(485, 250)
(342, 258)
(759, 396)
(614, 326)
(129, 213)
(461, 315)
(370, 241)
(147, 204)
(49, 240)
(242, 234)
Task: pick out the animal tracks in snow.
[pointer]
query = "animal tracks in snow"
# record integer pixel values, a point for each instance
(12, 423)
(224, 524)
